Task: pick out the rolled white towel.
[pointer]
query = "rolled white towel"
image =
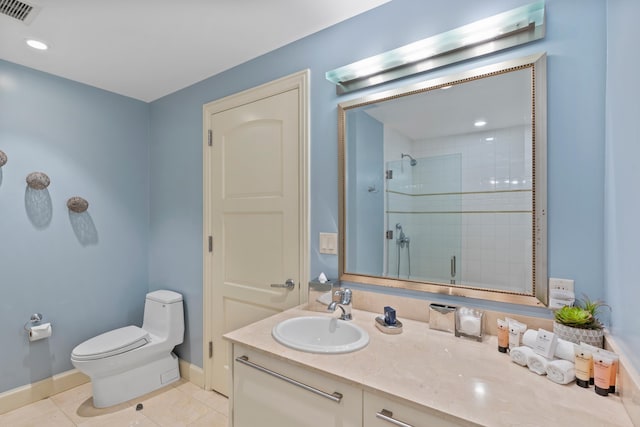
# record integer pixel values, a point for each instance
(537, 364)
(564, 349)
(521, 354)
(561, 371)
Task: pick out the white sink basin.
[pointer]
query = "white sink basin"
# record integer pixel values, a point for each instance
(315, 334)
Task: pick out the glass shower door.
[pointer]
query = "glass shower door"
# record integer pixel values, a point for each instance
(423, 210)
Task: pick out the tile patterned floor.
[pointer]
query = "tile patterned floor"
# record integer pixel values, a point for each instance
(179, 404)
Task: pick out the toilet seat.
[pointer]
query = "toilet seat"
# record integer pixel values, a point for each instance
(111, 343)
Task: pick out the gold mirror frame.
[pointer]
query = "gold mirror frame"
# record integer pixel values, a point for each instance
(539, 291)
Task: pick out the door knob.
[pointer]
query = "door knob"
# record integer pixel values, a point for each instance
(289, 284)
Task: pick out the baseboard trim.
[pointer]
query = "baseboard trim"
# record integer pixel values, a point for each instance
(30, 393)
(191, 373)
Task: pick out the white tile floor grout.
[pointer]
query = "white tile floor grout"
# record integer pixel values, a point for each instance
(179, 404)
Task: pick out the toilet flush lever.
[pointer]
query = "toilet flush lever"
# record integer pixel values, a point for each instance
(289, 284)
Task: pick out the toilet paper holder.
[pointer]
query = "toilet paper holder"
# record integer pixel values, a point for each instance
(35, 320)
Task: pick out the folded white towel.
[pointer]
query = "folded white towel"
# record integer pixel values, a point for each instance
(520, 355)
(561, 371)
(564, 349)
(529, 338)
(537, 364)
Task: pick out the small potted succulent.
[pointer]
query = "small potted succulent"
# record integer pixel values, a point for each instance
(580, 323)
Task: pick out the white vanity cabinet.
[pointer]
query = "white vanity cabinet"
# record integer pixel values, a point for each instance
(270, 392)
(379, 411)
(398, 381)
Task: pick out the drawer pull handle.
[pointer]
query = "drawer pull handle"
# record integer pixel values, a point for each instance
(388, 416)
(335, 396)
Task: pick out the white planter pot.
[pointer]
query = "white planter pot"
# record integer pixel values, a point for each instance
(594, 337)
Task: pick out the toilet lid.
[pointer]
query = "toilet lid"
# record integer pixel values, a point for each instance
(111, 343)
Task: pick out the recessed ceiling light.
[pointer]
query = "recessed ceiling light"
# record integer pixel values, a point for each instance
(480, 123)
(489, 138)
(37, 44)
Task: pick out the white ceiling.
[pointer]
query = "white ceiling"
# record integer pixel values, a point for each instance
(146, 49)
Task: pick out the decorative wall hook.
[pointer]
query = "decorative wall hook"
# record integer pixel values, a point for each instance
(38, 180)
(3, 158)
(77, 204)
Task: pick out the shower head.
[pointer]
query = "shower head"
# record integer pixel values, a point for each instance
(413, 161)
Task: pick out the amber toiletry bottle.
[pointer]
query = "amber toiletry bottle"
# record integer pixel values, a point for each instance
(602, 371)
(583, 362)
(503, 336)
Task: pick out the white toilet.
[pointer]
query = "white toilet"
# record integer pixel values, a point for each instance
(128, 362)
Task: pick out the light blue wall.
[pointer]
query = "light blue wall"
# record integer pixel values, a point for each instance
(623, 175)
(576, 89)
(85, 273)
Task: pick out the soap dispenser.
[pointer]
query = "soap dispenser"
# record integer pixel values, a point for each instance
(389, 324)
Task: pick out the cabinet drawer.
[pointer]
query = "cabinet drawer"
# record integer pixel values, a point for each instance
(271, 392)
(402, 414)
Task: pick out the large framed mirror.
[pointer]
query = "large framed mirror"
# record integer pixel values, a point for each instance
(443, 185)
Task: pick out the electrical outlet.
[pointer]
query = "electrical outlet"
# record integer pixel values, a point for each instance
(562, 284)
(329, 243)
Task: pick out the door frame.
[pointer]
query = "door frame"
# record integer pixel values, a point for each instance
(300, 81)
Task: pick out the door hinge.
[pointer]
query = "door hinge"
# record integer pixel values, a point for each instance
(210, 349)
(388, 174)
(210, 137)
(210, 243)
(389, 234)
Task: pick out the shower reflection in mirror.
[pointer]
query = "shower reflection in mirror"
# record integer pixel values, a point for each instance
(426, 199)
(403, 241)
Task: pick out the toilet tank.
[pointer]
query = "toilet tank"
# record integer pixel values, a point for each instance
(164, 316)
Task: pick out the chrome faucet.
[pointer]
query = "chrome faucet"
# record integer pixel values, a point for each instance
(344, 304)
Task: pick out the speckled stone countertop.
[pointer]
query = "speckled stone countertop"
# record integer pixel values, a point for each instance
(467, 379)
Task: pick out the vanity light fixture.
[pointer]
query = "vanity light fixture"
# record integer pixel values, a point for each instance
(37, 44)
(512, 28)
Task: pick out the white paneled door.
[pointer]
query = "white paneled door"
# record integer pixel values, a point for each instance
(255, 213)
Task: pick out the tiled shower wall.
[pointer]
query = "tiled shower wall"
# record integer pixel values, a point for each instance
(487, 176)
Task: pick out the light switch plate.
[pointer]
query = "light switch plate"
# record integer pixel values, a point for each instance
(329, 243)
(563, 284)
